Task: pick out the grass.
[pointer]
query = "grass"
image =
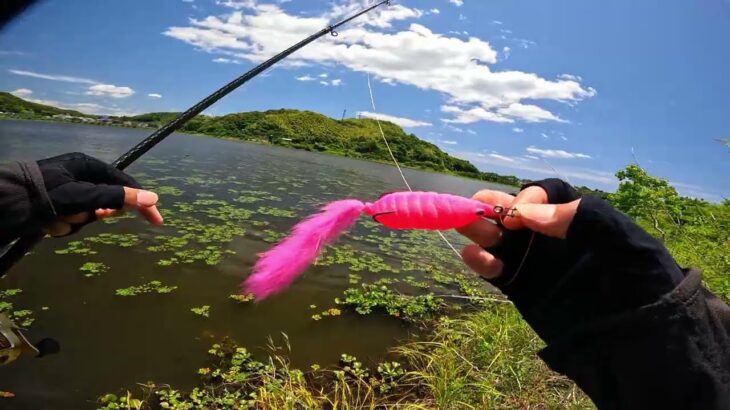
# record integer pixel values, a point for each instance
(486, 360)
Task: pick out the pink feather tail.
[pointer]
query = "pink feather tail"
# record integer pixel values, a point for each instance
(280, 266)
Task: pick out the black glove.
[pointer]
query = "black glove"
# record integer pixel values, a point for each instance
(33, 195)
(607, 264)
(79, 183)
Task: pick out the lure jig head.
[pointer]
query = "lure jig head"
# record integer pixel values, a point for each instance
(280, 266)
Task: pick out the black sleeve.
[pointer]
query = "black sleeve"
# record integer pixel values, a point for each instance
(618, 315)
(25, 206)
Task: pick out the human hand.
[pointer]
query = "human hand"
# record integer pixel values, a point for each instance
(564, 260)
(82, 189)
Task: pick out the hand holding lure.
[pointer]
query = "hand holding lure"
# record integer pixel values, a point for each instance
(280, 266)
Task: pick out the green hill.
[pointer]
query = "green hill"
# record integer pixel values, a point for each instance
(26, 109)
(356, 138)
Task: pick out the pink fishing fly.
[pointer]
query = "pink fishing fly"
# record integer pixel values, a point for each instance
(277, 268)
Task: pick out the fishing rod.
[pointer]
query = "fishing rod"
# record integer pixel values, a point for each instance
(24, 244)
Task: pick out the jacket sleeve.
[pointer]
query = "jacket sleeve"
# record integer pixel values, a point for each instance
(620, 317)
(24, 203)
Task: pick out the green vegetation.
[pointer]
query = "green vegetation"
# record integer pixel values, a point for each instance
(242, 298)
(695, 231)
(203, 311)
(154, 286)
(22, 317)
(373, 297)
(93, 268)
(22, 109)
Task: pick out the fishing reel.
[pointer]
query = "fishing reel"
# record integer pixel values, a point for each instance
(13, 343)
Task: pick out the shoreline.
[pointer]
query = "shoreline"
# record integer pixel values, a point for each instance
(264, 143)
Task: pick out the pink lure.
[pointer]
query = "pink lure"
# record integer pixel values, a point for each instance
(280, 266)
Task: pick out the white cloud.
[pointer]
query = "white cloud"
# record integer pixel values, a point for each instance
(593, 176)
(53, 77)
(502, 157)
(222, 60)
(403, 122)
(22, 92)
(305, 78)
(455, 129)
(506, 52)
(109, 90)
(556, 153)
(457, 3)
(497, 22)
(336, 83)
(570, 77)
(154, 95)
(542, 134)
(457, 68)
(472, 132)
(563, 137)
(323, 75)
(435, 11)
(448, 142)
(468, 116)
(96, 88)
(531, 157)
(518, 130)
(529, 113)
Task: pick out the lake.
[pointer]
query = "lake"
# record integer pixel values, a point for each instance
(224, 202)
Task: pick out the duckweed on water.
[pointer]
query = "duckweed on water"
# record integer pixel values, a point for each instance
(77, 248)
(93, 268)
(247, 199)
(154, 286)
(22, 317)
(356, 260)
(242, 298)
(267, 210)
(169, 190)
(203, 311)
(123, 240)
(373, 297)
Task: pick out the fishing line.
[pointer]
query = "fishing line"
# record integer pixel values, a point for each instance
(395, 161)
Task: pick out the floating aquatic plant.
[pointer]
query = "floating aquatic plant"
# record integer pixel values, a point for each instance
(154, 286)
(203, 311)
(93, 268)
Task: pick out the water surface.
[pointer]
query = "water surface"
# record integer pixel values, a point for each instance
(230, 200)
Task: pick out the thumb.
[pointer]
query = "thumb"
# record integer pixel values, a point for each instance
(548, 219)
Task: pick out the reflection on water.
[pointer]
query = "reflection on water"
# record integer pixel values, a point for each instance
(223, 202)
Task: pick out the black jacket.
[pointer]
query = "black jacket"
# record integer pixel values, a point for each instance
(618, 315)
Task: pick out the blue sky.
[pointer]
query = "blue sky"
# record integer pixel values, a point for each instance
(528, 88)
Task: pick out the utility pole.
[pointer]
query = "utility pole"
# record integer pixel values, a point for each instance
(343, 114)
